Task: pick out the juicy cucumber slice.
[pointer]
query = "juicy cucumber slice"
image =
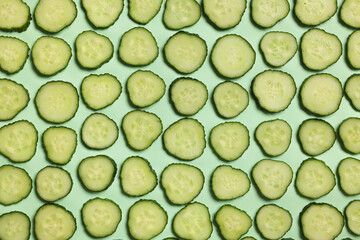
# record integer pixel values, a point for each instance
(353, 49)
(142, 11)
(179, 14)
(352, 92)
(14, 225)
(349, 134)
(352, 216)
(267, 13)
(349, 14)
(349, 175)
(101, 217)
(13, 54)
(313, 13)
(101, 13)
(15, 16)
(15, 184)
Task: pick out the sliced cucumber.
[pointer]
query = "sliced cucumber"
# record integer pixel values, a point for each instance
(232, 222)
(99, 131)
(185, 139)
(321, 221)
(14, 225)
(352, 90)
(185, 52)
(316, 136)
(349, 133)
(53, 183)
(193, 222)
(188, 95)
(229, 183)
(353, 49)
(352, 216)
(273, 221)
(229, 140)
(100, 91)
(102, 14)
(15, 16)
(274, 90)
(278, 48)
(137, 177)
(321, 94)
(145, 88)
(15, 184)
(349, 175)
(63, 13)
(18, 141)
(313, 13)
(13, 54)
(142, 11)
(274, 136)
(267, 13)
(182, 182)
(93, 49)
(224, 14)
(54, 222)
(101, 217)
(230, 99)
(14, 97)
(349, 14)
(96, 173)
(57, 101)
(319, 49)
(180, 14)
(314, 179)
(146, 219)
(141, 129)
(50, 55)
(138, 47)
(232, 56)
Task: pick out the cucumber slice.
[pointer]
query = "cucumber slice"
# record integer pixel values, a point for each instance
(18, 141)
(228, 183)
(185, 52)
(232, 222)
(268, 13)
(272, 177)
(53, 183)
(100, 90)
(316, 136)
(15, 184)
(321, 94)
(15, 16)
(319, 49)
(278, 48)
(224, 14)
(102, 14)
(13, 54)
(314, 179)
(351, 89)
(96, 173)
(353, 49)
(193, 222)
(349, 14)
(141, 129)
(93, 49)
(146, 219)
(182, 183)
(137, 177)
(232, 56)
(273, 136)
(180, 14)
(138, 47)
(14, 225)
(63, 13)
(59, 144)
(99, 131)
(142, 11)
(14, 97)
(273, 221)
(352, 216)
(313, 13)
(349, 134)
(101, 217)
(230, 99)
(57, 101)
(274, 90)
(185, 139)
(321, 221)
(50, 55)
(54, 222)
(145, 88)
(188, 95)
(349, 175)
(229, 140)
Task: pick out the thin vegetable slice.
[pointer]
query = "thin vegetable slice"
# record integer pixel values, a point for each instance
(13, 54)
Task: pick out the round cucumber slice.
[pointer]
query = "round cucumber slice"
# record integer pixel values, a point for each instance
(14, 225)
(13, 54)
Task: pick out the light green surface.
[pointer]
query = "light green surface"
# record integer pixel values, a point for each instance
(156, 155)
